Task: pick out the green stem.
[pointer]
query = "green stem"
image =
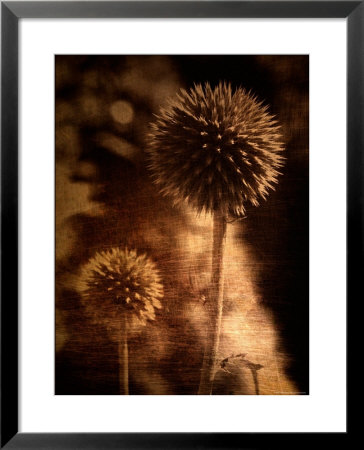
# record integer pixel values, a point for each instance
(215, 303)
(123, 357)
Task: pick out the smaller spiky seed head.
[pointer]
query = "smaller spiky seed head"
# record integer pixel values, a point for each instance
(119, 282)
(215, 148)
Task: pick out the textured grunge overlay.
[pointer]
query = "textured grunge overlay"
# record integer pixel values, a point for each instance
(182, 225)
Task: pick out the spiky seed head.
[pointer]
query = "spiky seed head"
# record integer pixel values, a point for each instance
(215, 148)
(119, 282)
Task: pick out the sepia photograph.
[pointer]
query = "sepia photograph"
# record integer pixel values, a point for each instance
(182, 224)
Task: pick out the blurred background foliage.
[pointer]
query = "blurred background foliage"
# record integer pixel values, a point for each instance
(105, 198)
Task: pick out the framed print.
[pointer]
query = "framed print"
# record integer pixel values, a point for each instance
(181, 207)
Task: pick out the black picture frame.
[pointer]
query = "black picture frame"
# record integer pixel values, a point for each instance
(11, 12)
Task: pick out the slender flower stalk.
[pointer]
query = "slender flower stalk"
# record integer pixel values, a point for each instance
(120, 289)
(216, 150)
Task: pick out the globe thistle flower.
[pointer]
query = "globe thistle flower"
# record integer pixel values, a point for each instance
(218, 150)
(119, 289)
(215, 148)
(119, 282)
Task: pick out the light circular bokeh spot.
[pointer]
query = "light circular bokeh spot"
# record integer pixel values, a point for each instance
(122, 111)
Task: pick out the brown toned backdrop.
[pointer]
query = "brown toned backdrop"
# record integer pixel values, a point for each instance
(105, 198)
